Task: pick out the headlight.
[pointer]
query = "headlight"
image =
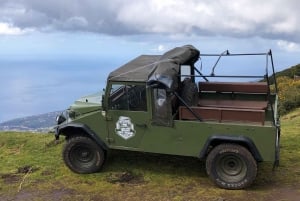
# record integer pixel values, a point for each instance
(60, 119)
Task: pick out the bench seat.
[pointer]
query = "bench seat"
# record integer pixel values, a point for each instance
(223, 114)
(234, 87)
(237, 104)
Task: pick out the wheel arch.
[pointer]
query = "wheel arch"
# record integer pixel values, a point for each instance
(240, 140)
(68, 130)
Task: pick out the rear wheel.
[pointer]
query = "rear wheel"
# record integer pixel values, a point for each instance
(82, 155)
(231, 166)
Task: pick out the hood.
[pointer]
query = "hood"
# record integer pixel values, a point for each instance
(87, 104)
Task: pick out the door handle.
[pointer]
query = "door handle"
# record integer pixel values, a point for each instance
(141, 125)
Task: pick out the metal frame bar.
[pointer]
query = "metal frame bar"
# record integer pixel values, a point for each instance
(224, 76)
(266, 76)
(187, 106)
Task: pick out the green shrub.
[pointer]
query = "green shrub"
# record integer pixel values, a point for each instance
(289, 94)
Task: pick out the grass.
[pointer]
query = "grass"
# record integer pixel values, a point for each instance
(31, 168)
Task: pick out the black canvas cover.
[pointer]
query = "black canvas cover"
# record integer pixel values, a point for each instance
(160, 70)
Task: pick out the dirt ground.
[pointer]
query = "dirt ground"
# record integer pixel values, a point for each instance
(277, 193)
(263, 191)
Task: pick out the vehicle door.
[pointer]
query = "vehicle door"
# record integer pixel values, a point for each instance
(127, 115)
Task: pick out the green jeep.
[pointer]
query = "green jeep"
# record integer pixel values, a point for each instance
(154, 104)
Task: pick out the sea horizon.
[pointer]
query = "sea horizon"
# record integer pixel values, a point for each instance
(37, 86)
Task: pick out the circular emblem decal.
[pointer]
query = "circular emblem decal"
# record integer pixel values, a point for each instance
(125, 128)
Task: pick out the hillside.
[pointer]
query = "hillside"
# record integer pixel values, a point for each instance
(36, 123)
(290, 72)
(32, 169)
(288, 84)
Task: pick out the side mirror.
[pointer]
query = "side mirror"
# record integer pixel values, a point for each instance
(102, 99)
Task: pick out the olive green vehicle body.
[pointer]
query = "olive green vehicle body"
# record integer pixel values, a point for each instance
(94, 117)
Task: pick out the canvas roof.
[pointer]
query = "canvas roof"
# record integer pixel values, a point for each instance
(157, 69)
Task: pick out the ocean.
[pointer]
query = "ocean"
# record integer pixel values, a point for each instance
(36, 86)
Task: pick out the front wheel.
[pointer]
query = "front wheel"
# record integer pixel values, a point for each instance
(82, 155)
(231, 166)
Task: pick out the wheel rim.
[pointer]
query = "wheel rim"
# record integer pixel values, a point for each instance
(231, 168)
(82, 156)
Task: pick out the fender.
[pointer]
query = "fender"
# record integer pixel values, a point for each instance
(70, 128)
(241, 140)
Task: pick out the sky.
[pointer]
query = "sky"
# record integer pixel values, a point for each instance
(52, 51)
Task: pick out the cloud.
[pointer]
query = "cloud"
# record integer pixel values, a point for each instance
(240, 18)
(8, 29)
(288, 46)
(159, 49)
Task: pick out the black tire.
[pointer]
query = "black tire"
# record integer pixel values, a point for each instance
(189, 92)
(231, 166)
(82, 155)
